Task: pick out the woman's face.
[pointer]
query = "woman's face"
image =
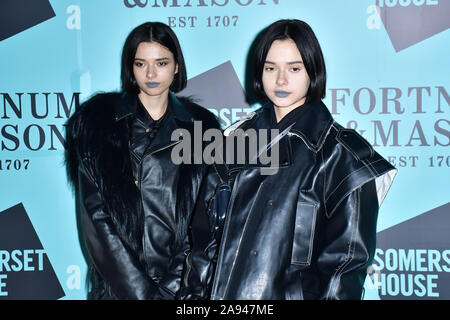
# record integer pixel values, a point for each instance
(284, 77)
(154, 68)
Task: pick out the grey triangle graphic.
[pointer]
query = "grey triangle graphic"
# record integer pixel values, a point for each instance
(217, 88)
(408, 25)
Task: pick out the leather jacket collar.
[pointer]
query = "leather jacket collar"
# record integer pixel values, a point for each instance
(311, 125)
(127, 106)
(178, 118)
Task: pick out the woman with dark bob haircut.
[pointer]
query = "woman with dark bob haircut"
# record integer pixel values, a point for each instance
(306, 229)
(134, 202)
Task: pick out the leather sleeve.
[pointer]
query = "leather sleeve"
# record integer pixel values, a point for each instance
(201, 259)
(114, 261)
(349, 247)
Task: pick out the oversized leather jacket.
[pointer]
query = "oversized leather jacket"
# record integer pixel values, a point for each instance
(134, 203)
(306, 232)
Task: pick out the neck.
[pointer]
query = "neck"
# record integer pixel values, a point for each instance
(156, 106)
(281, 112)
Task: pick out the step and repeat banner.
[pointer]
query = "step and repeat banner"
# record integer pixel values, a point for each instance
(388, 78)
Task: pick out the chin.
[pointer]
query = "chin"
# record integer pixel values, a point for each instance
(287, 103)
(281, 103)
(153, 92)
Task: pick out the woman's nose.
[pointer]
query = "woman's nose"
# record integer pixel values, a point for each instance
(281, 78)
(151, 72)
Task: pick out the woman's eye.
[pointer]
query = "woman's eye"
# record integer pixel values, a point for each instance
(163, 63)
(268, 69)
(295, 69)
(138, 64)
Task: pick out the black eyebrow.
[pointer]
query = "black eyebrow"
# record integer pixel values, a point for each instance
(159, 59)
(293, 62)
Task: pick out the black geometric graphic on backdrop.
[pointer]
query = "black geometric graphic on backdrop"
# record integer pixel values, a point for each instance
(428, 236)
(19, 15)
(408, 25)
(217, 88)
(29, 273)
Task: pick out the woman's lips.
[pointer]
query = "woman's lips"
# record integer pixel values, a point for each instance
(152, 84)
(282, 94)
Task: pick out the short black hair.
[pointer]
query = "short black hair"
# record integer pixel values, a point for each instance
(308, 45)
(151, 32)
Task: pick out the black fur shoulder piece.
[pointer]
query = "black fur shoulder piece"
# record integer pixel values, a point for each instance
(95, 137)
(87, 130)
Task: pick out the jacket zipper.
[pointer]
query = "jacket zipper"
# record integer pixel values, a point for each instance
(138, 183)
(139, 171)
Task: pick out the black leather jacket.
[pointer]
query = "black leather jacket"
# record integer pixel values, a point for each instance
(306, 232)
(134, 202)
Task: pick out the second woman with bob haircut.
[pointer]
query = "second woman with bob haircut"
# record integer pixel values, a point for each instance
(308, 230)
(134, 202)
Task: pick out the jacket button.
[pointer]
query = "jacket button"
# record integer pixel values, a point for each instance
(255, 252)
(136, 182)
(147, 130)
(270, 202)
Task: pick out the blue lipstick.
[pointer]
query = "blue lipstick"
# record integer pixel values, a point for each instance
(152, 84)
(282, 94)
